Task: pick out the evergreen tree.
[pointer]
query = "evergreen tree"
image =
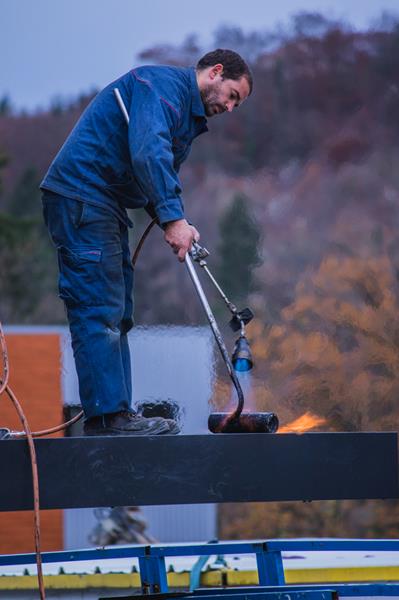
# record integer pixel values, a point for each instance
(238, 250)
(5, 106)
(27, 271)
(27, 265)
(25, 198)
(3, 162)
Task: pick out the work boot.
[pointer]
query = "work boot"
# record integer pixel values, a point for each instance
(174, 427)
(167, 409)
(129, 423)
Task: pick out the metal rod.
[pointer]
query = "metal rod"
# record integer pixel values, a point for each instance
(121, 104)
(217, 334)
(199, 257)
(230, 305)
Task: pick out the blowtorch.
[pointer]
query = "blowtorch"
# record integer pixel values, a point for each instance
(237, 421)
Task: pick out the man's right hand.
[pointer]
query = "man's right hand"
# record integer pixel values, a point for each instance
(180, 236)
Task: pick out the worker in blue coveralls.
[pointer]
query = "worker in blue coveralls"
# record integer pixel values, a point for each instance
(104, 167)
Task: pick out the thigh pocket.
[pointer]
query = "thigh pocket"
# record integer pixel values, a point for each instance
(90, 276)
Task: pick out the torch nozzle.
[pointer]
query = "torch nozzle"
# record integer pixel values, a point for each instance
(242, 357)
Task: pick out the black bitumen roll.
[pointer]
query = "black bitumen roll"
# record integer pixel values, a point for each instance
(246, 423)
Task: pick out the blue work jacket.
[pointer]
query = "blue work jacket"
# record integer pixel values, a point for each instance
(108, 163)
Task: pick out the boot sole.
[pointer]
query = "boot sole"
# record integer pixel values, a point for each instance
(109, 432)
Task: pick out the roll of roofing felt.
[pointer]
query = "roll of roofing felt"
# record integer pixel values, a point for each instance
(246, 423)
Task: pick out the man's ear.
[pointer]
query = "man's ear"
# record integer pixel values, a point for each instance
(216, 70)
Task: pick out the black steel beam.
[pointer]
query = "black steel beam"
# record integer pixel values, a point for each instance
(117, 471)
(326, 593)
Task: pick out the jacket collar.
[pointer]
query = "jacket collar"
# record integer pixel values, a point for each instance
(197, 106)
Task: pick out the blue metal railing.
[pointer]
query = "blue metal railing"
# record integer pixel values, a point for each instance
(268, 558)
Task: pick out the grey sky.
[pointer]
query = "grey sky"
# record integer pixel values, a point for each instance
(63, 47)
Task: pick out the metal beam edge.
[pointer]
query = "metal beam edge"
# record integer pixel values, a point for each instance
(118, 471)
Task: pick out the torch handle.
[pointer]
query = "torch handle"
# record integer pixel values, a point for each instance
(217, 335)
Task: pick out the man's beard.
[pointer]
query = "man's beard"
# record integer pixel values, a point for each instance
(210, 99)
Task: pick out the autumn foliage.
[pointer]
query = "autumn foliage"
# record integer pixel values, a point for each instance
(334, 354)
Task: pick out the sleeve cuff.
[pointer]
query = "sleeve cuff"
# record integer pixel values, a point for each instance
(167, 213)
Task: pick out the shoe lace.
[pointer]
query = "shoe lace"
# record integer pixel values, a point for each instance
(129, 414)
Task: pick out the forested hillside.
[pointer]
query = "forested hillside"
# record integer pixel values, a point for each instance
(296, 194)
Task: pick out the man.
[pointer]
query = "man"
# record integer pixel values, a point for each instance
(103, 168)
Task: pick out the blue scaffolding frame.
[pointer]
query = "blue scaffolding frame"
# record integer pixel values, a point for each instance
(268, 553)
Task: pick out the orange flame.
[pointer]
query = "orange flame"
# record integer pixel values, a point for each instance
(303, 423)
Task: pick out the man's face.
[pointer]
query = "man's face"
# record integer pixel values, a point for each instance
(220, 95)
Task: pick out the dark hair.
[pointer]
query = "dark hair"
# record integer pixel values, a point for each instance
(234, 67)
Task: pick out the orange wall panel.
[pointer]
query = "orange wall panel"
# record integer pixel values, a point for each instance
(35, 378)
(17, 533)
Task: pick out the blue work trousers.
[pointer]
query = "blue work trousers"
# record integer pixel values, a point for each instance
(96, 285)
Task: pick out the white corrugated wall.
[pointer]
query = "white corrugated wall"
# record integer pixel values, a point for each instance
(167, 362)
